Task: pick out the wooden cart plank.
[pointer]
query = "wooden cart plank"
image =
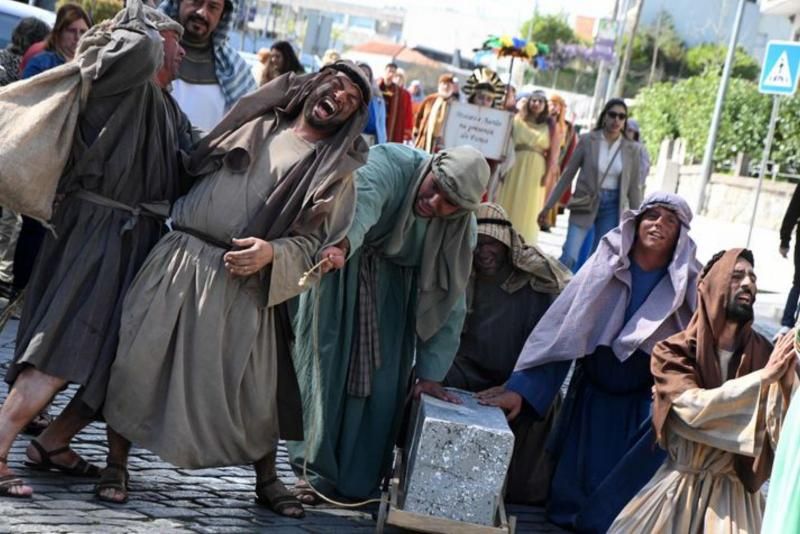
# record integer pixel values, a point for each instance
(427, 523)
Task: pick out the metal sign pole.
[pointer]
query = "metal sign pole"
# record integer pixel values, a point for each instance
(773, 118)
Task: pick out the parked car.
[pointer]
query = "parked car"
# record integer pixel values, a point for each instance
(12, 12)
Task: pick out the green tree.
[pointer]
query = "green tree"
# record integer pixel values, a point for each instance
(98, 10)
(670, 60)
(548, 29)
(709, 58)
(684, 110)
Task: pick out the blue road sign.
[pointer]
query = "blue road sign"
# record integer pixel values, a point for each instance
(781, 67)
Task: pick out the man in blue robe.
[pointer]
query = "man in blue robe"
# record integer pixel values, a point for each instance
(637, 289)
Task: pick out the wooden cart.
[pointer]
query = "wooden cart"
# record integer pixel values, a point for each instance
(390, 512)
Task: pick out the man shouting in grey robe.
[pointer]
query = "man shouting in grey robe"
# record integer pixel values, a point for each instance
(203, 375)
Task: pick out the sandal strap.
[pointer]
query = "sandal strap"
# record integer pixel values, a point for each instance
(286, 501)
(45, 455)
(9, 481)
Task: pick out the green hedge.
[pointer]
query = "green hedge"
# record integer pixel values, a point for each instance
(684, 109)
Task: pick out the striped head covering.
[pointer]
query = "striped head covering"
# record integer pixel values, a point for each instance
(233, 72)
(532, 266)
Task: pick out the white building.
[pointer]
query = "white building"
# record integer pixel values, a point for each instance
(711, 22)
(789, 9)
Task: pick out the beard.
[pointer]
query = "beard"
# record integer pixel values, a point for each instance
(328, 125)
(739, 312)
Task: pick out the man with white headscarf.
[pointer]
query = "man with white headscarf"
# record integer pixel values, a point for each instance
(637, 289)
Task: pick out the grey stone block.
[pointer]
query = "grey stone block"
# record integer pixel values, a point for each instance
(457, 461)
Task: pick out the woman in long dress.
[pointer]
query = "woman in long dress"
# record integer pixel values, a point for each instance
(523, 192)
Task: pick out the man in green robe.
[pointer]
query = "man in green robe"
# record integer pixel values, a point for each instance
(397, 306)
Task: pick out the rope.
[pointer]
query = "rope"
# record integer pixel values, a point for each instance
(313, 433)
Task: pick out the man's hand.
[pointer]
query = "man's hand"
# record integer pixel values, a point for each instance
(434, 389)
(784, 251)
(781, 360)
(542, 218)
(509, 401)
(255, 254)
(335, 257)
(491, 392)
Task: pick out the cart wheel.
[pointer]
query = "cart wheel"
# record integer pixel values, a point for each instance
(383, 513)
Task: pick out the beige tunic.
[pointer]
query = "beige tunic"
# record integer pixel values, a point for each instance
(697, 489)
(195, 375)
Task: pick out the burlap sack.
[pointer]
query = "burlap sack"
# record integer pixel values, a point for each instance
(39, 116)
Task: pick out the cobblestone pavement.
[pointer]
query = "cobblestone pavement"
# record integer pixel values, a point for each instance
(167, 499)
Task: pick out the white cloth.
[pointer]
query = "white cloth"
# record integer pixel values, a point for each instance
(607, 151)
(724, 362)
(204, 104)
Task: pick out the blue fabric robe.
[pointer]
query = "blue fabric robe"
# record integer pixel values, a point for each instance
(603, 440)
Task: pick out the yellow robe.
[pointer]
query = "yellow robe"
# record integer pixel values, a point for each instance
(697, 489)
(522, 194)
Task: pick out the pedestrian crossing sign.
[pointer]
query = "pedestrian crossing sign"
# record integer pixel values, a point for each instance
(781, 67)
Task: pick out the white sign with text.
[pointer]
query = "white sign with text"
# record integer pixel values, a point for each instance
(486, 129)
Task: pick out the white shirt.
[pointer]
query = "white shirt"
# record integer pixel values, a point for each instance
(607, 150)
(724, 362)
(204, 104)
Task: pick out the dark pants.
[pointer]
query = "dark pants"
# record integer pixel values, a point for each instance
(790, 310)
(28, 244)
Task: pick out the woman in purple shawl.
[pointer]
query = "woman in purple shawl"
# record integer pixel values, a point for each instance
(637, 289)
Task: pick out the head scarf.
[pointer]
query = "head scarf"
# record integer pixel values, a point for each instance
(532, 266)
(462, 173)
(689, 360)
(561, 120)
(233, 72)
(590, 312)
(161, 21)
(334, 157)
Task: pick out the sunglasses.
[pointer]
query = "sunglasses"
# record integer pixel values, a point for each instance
(615, 115)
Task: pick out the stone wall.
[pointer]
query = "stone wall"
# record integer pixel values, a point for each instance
(728, 198)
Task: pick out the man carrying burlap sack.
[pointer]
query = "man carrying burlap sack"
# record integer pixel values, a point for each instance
(124, 137)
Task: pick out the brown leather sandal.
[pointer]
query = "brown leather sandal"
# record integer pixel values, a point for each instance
(80, 469)
(114, 477)
(281, 502)
(8, 482)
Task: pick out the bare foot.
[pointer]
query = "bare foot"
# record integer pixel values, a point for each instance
(305, 493)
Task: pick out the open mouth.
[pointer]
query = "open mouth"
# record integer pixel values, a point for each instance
(745, 298)
(423, 208)
(327, 108)
(656, 235)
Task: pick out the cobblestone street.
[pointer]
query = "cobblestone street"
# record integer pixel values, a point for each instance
(166, 499)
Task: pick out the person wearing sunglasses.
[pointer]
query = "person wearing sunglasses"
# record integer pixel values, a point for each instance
(608, 183)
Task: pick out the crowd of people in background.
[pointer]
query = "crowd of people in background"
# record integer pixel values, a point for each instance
(238, 260)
